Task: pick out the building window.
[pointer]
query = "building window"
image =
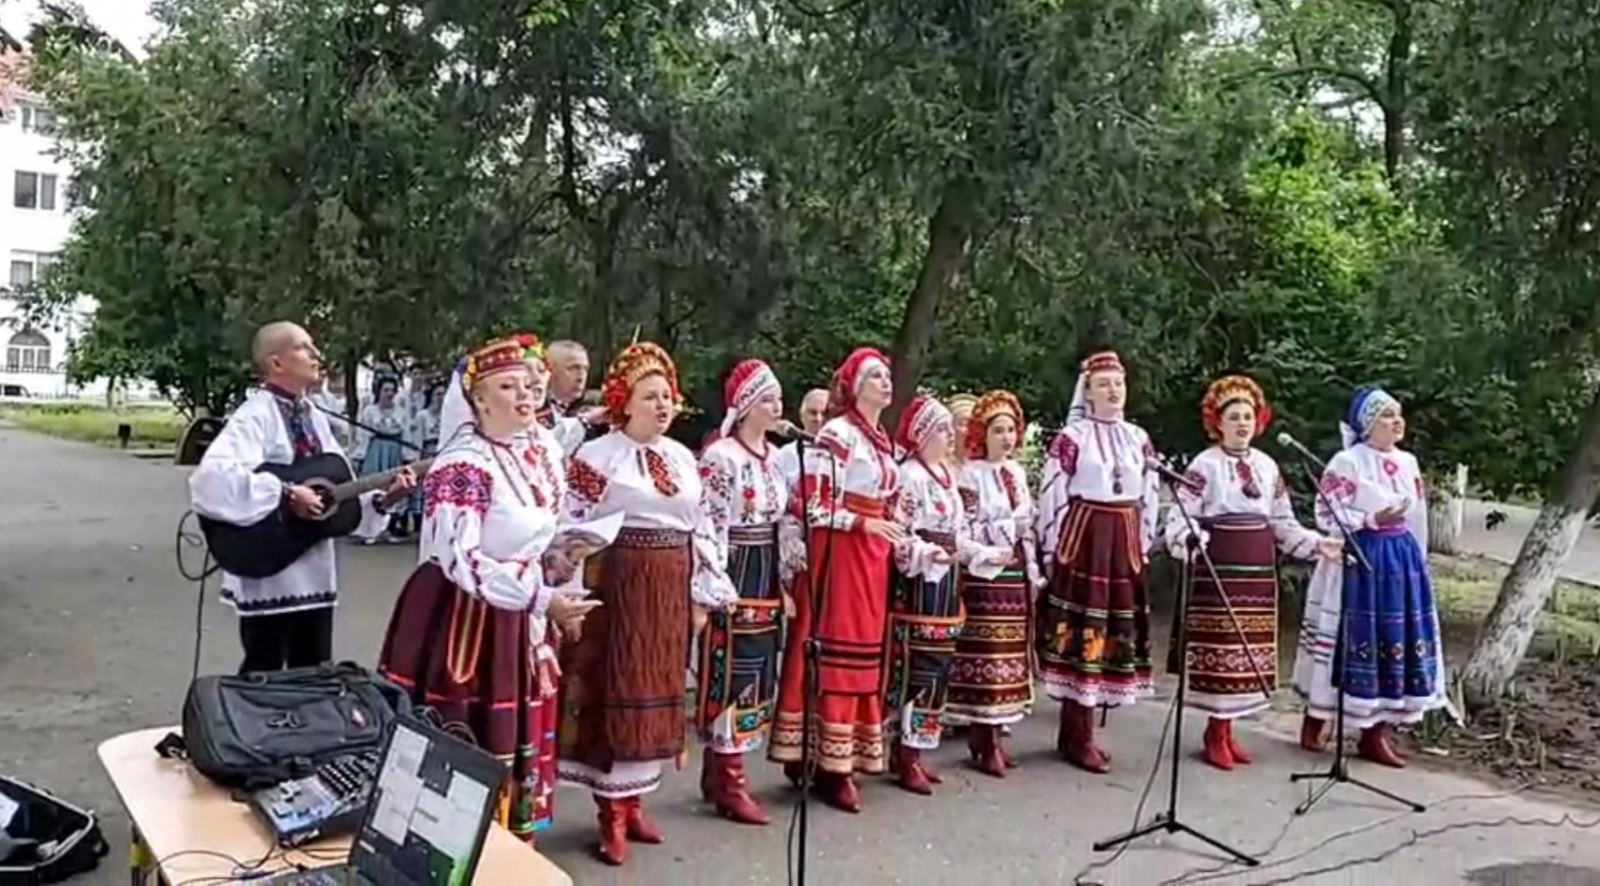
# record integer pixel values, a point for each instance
(25, 194)
(28, 351)
(33, 190)
(37, 120)
(21, 273)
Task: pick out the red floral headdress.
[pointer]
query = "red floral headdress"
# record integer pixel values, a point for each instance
(1228, 390)
(990, 407)
(636, 362)
(532, 347)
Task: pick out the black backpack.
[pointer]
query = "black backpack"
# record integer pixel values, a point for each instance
(254, 730)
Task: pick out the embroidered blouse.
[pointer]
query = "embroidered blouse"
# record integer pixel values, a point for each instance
(226, 486)
(491, 511)
(1361, 481)
(742, 487)
(848, 459)
(654, 486)
(1098, 461)
(999, 509)
(927, 501)
(1238, 484)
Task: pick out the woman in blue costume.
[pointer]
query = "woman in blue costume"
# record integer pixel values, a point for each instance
(1392, 659)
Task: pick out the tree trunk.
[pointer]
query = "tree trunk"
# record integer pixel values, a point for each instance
(1446, 512)
(352, 393)
(1397, 93)
(1508, 630)
(949, 247)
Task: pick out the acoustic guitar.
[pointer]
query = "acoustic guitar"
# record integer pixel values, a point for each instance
(270, 545)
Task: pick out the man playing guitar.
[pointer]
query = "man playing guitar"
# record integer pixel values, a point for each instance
(285, 619)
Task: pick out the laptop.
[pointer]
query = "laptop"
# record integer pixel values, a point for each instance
(427, 818)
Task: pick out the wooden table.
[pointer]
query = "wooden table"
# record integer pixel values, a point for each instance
(173, 809)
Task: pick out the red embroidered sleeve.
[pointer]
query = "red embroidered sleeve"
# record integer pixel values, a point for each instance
(584, 481)
(1196, 480)
(1010, 483)
(969, 499)
(460, 485)
(1065, 450)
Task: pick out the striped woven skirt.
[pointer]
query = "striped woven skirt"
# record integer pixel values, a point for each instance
(1094, 617)
(483, 670)
(991, 680)
(738, 667)
(924, 621)
(1223, 670)
(622, 706)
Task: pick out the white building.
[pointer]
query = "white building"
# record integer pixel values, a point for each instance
(35, 217)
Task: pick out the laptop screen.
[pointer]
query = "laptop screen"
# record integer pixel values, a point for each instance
(429, 811)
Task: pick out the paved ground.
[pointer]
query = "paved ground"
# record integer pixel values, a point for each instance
(1502, 542)
(96, 633)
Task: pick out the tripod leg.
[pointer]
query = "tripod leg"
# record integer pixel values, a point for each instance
(1159, 823)
(1415, 806)
(1316, 795)
(1250, 860)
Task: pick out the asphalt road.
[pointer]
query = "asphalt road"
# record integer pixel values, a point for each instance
(97, 630)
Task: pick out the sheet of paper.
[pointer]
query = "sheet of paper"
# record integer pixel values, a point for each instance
(450, 820)
(397, 804)
(406, 751)
(595, 533)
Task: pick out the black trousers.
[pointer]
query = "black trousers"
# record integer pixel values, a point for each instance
(288, 640)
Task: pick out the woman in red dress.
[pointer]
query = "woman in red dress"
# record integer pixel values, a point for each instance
(849, 476)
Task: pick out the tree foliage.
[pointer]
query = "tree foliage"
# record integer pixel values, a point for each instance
(999, 184)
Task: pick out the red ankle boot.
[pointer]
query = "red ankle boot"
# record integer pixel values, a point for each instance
(613, 818)
(1082, 751)
(1313, 734)
(639, 828)
(1217, 752)
(908, 766)
(983, 744)
(839, 791)
(795, 773)
(732, 796)
(1375, 746)
(1240, 755)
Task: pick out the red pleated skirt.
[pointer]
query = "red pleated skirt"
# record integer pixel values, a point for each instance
(477, 665)
(851, 570)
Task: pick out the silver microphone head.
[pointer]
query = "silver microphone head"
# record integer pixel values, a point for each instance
(1285, 440)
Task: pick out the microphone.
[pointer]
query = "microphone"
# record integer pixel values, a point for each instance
(1290, 443)
(788, 430)
(1172, 477)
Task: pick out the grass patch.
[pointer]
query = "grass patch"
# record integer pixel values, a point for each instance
(1465, 589)
(154, 427)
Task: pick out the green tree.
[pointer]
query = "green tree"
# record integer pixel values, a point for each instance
(1511, 123)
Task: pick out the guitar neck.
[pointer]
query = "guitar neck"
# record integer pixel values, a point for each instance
(363, 485)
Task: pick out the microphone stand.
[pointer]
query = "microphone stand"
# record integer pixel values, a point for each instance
(1168, 820)
(1339, 771)
(812, 659)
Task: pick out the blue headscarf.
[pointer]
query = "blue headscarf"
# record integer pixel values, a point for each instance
(1368, 403)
